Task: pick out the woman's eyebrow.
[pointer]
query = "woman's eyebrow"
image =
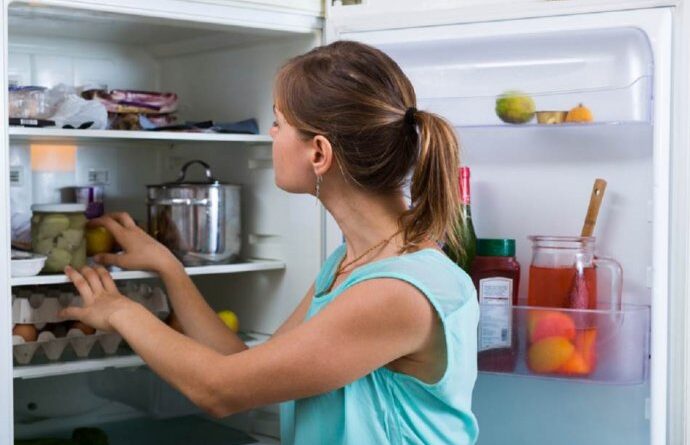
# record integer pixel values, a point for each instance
(274, 108)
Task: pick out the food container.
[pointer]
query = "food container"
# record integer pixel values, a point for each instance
(198, 221)
(92, 197)
(57, 231)
(551, 117)
(557, 261)
(59, 339)
(26, 264)
(28, 102)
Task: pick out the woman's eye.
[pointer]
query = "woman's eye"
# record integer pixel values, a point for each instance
(275, 123)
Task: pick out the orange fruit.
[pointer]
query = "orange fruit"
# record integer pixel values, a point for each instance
(545, 324)
(549, 354)
(579, 114)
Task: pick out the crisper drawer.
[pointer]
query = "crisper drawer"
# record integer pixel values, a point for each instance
(605, 346)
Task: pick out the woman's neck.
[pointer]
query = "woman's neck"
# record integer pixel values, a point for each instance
(367, 220)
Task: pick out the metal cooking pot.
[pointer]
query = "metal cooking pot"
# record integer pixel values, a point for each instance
(198, 221)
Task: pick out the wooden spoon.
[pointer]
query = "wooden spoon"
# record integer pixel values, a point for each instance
(579, 295)
(594, 205)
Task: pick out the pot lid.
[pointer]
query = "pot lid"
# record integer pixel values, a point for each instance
(182, 182)
(59, 208)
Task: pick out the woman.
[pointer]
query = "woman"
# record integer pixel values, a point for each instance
(382, 348)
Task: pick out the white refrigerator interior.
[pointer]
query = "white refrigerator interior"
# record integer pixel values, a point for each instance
(221, 72)
(527, 180)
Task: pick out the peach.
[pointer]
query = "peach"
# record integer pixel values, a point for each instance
(583, 360)
(576, 365)
(549, 354)
(546, 324)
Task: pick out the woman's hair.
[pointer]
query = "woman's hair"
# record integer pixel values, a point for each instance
(358, 98)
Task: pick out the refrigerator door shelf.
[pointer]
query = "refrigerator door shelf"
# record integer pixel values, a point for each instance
(630, 103)
(605, 346)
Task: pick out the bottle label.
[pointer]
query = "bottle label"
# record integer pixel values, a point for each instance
(495, 321)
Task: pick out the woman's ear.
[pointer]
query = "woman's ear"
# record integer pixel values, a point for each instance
(322, 155)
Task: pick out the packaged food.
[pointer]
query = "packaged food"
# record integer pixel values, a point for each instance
(496, 275)
(57, 231)
(28, 102)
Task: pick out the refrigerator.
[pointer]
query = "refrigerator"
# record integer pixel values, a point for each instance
(620, 58)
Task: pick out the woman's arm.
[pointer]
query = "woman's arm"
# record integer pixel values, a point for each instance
(199, 321)
(140, 251)
(368, 326)
(298, 315)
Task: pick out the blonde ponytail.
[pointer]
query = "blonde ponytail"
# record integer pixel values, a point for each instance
(434, 185)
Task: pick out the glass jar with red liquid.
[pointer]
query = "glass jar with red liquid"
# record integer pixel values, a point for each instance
(564, 274)
(496, 275)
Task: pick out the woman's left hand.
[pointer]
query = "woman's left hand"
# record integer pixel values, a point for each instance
(100, 295)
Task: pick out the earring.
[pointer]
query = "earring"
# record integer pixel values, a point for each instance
(318, 186)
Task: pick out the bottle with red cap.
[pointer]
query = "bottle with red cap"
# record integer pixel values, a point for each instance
(465, 254)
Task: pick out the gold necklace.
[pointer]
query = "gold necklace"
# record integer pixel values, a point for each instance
(342, 267)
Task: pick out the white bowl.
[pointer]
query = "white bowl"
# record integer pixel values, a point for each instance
(26, 264)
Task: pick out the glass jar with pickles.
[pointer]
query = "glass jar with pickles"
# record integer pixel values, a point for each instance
(57, 231)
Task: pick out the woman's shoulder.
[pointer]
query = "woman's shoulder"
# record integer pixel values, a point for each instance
(429, 270)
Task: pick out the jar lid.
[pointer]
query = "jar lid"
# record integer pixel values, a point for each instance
(496, 247)
(59, 208)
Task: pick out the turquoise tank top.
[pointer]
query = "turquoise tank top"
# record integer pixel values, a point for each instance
(387, 407)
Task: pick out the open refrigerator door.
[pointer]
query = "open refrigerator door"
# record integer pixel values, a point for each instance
(534, 178)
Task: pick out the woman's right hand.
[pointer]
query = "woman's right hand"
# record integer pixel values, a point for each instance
(139, 250)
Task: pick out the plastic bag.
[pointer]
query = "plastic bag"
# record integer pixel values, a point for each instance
(76, 112)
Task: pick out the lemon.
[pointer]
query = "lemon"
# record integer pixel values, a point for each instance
(230, 319)
(98, 240)
(515, 107)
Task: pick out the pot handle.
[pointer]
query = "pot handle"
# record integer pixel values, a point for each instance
(183, 171)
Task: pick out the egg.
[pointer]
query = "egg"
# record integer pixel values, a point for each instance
(85, 328)
(26, 331)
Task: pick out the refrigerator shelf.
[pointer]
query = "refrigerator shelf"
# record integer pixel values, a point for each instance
(591, 128)
(60, 135)
(123, 358)
(592, 346)
(631, 102)
(247, 266)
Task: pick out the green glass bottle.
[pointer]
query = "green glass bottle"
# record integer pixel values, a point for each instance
(464, 228)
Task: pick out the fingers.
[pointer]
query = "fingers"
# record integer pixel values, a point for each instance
(106, 279)
(80, 283)
(93, 279)
(109, 259)
(72, 313)
(111, 224)
(124, 219)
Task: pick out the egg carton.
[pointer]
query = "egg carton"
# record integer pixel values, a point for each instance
(53, 347)
(41, 305)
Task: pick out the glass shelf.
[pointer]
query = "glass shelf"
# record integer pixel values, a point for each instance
(57, 134)
(246, 266)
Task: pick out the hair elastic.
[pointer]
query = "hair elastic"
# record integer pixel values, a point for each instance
(409, 116)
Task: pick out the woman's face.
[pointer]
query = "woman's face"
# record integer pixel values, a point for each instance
(291, 157)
